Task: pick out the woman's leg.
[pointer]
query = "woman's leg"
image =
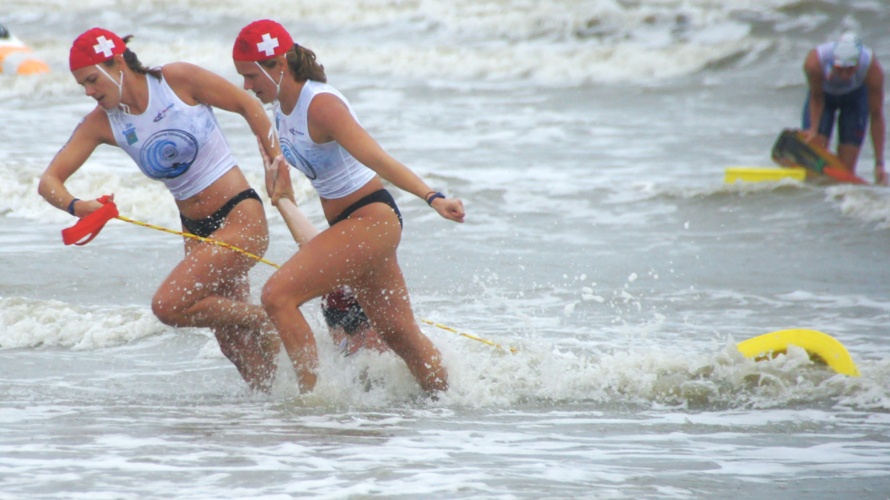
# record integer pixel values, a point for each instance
(359, 252)
(303, 277)
(209, 289)
(282, 297)
(852, 124)
(253, 353)
(384, 297)
(849, 155)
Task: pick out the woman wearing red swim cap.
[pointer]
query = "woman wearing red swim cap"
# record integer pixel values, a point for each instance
(321, 137)
(163, 118)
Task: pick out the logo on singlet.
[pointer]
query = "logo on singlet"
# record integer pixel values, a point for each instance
(163, 113)
(296, 159)
(168, 154)
(130, 134)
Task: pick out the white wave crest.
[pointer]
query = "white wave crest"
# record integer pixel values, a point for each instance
(27, 323)
(868, 205)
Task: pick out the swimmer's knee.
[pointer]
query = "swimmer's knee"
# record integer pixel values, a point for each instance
(276, 297)
(166, 311)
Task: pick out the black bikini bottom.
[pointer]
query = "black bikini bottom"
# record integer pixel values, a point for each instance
(340, 308)
(206, 226)
(379, 196)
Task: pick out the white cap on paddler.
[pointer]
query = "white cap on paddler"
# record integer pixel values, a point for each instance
(847, 49)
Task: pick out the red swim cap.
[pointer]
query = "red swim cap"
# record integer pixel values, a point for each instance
(261, 40)
(94, 46)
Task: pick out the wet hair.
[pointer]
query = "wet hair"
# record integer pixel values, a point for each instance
(302, 64)
(133, 62)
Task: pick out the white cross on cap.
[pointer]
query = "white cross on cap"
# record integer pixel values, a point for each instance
(104, 46)
(267, 45)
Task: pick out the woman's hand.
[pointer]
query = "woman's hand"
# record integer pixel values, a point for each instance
(810, 134)
(84, 208)
(278, 181)
(450, 208)
(281, 187)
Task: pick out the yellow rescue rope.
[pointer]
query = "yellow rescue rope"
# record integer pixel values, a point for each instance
(264, 261)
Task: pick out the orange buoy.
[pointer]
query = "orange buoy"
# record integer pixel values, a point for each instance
(16, 58)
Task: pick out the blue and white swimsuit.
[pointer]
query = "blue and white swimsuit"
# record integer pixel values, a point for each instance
(333, 172)
(848, 99)
(173, 142)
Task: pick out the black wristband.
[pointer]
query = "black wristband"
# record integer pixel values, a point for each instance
(71, 205)
(429, 200)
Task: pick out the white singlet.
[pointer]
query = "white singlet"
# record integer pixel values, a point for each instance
(837, 86)
(173, 142)
(333, 172)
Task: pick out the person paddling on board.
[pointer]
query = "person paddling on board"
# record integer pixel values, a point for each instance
(163, 118)
(845, 78)
(321, 137)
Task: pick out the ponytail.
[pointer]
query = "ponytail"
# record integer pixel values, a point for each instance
(302, 64)
(134, 64)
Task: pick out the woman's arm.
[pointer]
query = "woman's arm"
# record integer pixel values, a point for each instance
(194, 84)
(813, 70)
(874, 81)
(92, 131)
(301, 228)
(330, 119)
(281, 191)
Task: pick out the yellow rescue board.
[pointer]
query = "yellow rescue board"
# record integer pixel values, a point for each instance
(819, 345)
(792, 150)
(763, 174)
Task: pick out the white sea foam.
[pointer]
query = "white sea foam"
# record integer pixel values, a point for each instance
(27, 323)
(483, 375)
(866, 205)
(565, 42)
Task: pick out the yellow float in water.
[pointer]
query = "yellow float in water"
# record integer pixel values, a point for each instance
(819, 345)
(16, 58)
(763, 174)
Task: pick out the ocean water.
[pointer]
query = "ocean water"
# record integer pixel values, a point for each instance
(588, 141)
